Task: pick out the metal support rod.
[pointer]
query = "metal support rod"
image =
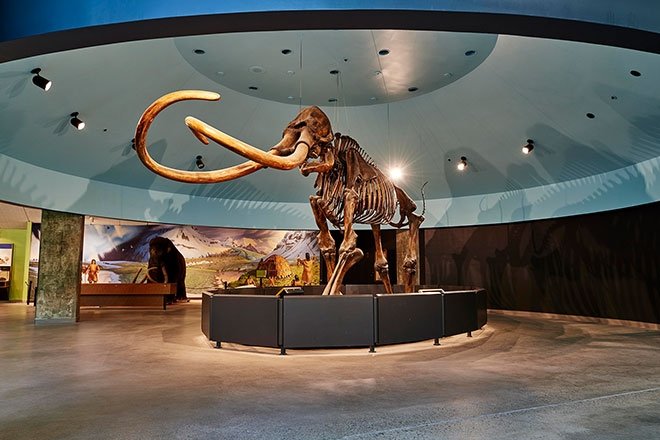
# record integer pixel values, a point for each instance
(282, 351)
(372, 349)
(469, 334)
(436, 341)
(218, 344)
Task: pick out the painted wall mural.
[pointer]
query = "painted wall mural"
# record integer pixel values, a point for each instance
(215, 257)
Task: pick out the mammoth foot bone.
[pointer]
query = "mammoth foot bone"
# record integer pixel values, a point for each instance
(289, 153)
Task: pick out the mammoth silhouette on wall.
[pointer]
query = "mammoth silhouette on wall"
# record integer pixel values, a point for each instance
(167, 265)
(350, 187)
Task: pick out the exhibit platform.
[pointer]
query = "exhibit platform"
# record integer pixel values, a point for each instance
(362, 320)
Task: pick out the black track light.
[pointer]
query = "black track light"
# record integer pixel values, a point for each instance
(199, 162)
(40, 81)
(76, 121)
(529, 147)
(462, 164)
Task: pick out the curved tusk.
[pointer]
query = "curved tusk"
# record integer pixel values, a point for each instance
(270, 158)
(148, 117)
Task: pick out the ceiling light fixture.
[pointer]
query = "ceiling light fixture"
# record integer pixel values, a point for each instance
(199, 162)
(383, 52)
(529, 147)
(40, 81)
(395, 173)
(76, 121)
(462, 164)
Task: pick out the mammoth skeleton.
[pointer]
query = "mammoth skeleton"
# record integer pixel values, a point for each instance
(350, 187)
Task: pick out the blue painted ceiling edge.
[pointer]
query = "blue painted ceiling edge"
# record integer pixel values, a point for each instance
(34, 22)
(21, 20)
(29, 18)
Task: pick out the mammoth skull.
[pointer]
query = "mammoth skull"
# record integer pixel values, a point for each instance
(305, 137)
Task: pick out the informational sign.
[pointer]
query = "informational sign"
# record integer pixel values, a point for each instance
(6, 251)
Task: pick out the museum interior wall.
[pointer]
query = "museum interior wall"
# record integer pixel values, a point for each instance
(601, 265)
(20, 260)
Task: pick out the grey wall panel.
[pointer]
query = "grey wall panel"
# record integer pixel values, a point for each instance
(328, 321)
(408, 317)
(245, 319)
(460, 314)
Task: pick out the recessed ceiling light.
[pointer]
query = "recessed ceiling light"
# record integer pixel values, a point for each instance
(383, 52)
(614, 97)
(635, 73)
(377, 73)
(199, 51)
(373, 98)
(334, 72)
(220, 73)
(590, 115)
(286, 51)
(257, 69)
(448, 75)
(412, 89)
(332, 100)
(253, 88)
(289, 97)
(469, 53)
(290, 72)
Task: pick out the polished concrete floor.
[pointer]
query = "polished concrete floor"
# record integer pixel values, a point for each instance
(151, 374)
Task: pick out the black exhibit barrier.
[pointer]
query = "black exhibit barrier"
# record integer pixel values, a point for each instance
(460, 312)
(243, 319)
(408, 317)
(341, 321)
(327, 321)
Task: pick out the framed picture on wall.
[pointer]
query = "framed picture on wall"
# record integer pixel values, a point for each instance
(6, 252)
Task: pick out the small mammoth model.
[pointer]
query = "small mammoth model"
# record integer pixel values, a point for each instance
(167, 265)
(350, 187)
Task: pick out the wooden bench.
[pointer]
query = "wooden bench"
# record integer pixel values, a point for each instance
(127, 294)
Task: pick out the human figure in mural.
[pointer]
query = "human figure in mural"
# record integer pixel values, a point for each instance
(307, 264)
(92, 272)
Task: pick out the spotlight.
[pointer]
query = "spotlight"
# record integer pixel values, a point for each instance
(76, 121)
(40, 81)
(462, 164)
(395, 173)
(529, 147)
(199, 162)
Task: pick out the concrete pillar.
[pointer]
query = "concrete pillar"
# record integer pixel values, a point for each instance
(60, 267)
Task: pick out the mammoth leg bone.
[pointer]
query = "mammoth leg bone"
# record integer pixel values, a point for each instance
(380, 265)
(410, 260)
(326, 242)
(349, 254)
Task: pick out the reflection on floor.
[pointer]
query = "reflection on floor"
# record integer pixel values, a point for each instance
(142, 374)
